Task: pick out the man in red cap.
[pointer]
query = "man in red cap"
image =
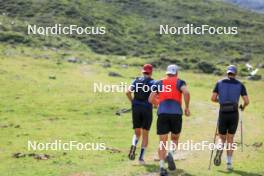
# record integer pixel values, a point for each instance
(141, 110)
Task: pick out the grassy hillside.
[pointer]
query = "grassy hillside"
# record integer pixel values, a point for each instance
(133, 26)
(46, 90)
(44, 100)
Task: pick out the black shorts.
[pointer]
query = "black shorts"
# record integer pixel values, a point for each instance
(228, 122)
(142, 117)
(169, 123)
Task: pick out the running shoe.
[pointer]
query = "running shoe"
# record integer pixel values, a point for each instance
(141, 162)
(171, 163)
(132, 151)
(217, 159)
(163, 172)
(229, 166)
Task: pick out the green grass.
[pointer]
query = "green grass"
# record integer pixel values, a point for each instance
(67, 109)
(133, 26)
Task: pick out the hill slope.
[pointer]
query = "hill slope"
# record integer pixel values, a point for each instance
(133, 26)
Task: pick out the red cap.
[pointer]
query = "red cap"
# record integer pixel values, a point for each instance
(147, 68)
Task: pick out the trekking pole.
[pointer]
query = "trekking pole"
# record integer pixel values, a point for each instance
(212, 151)
(241, 127)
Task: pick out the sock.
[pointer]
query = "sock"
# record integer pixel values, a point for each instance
(229, 159)
(142, 152)
(134, 140)
(161, 163)
(172, 152)
(172, 148)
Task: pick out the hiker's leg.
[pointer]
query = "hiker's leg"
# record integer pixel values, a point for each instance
(145, 134)
(175, 128)
(136, 119)
(222, 129)
(162, 149)
(136, 136)
(221, 141)
(222, 138)
(144, 144)
(133, 147)
(233, 121)
(174, 142)
(146, 115)
(146, 125)
(137, 124)
(219, 151)
(163, 129)
(175, 138)
(229, 151)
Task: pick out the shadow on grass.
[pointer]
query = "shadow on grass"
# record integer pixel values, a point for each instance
(155, 168)
(239, 172)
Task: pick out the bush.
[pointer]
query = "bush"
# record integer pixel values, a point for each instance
(13, 37)
(206, 67)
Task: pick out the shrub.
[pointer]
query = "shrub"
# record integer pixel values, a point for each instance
(206, 67)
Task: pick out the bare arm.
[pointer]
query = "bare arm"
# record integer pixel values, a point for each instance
(129, 95)
(187, 98)
(152, 97)
(214, 97)
(246, 102)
